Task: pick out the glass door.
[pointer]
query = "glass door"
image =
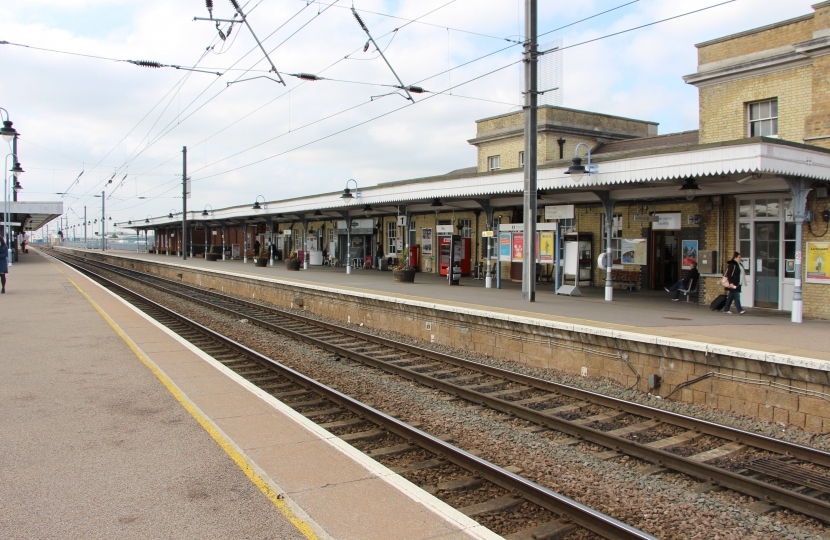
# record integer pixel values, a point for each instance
(767, 263)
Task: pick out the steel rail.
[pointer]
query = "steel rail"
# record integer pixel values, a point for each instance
(750, 486)
(580, 514)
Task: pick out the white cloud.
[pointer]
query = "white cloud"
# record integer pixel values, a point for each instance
(81, 108)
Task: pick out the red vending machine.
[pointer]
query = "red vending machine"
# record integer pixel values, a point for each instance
(462, 253)
(414, 251)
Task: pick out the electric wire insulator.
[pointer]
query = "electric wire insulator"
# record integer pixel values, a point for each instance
(308, 76)
(356, 16)
(221, 34)
(235, 5)
(209, 5)
(415, 89)
(366, 47)
(146, 63)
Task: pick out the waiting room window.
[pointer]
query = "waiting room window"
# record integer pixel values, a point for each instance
(616, 237)
(522, 159)
(494, 163)
(392, 237)
(763, 118)
(465, 226)
(567, 225)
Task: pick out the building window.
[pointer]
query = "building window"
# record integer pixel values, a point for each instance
(494, 163)
(567, 225)
(465, 226)
(763, 119)
(392, 237)
(616, 238)
(522, 159)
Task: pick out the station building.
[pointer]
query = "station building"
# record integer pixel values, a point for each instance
(757, 167)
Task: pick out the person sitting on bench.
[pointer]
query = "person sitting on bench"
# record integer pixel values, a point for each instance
(685, 284)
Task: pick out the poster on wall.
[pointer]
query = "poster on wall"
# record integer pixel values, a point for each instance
(546, 247)
(518, 247)
(689, 253)
(426, 241)
(818, 262)
(634, 251)
(505, 243)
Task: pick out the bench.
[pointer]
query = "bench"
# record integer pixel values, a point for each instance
(691, 290)
(626, 278)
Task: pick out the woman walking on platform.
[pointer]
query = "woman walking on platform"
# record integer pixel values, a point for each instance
(4, 263)
(736, 276)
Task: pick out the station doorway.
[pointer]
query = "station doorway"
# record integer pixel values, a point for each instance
(664, 259)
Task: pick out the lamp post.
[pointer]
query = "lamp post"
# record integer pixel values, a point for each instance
(348, 197)
(9, 134)
(15, 171)
(206, 214)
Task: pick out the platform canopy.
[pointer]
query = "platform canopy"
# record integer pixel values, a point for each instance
(629, 170)
(33, 215)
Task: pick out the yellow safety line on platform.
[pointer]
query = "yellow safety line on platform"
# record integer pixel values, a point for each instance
(263, 486)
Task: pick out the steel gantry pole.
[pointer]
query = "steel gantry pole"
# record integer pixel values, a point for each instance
(531, 98)
(86, 241)
(103, 222)
(184, 203)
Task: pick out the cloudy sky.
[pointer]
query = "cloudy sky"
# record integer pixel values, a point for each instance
(256, 137)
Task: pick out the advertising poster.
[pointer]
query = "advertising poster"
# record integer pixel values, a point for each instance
(689, 253)
(546, 247)
(518, 247)
(505, 243)
(818, 262)
(634, 251)
(426, 242)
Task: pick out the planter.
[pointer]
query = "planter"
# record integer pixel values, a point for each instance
(292, 264)
(211, 256)
(404, 276)
(261, 262)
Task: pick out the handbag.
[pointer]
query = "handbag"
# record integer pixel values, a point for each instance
(724, 281)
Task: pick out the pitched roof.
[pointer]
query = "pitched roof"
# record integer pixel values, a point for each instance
(684, 138)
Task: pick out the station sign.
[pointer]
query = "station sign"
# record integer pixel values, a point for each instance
(487, 234)
(444, 229)
(646, 219)
(559, 211)
(520, 227)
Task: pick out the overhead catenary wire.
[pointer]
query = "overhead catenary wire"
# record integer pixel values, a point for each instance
(446, 91)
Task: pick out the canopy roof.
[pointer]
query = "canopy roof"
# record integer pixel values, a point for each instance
(742, 166)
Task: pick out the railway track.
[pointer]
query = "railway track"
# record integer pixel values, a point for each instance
(522, 509)
(778, 472)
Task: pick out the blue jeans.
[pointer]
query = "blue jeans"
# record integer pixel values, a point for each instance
(676, 289)
(736, 296)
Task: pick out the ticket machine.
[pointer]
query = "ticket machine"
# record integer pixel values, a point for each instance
(461, 254)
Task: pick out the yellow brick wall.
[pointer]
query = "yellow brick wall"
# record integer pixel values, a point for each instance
(723, 114)
(756, 42)
(816, 295)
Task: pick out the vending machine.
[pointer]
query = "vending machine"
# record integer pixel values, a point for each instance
(461, 254)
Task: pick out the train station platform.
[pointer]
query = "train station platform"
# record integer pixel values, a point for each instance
(114, 426)
(647, 313)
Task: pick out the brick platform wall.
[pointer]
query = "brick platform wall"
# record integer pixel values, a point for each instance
(545, 347)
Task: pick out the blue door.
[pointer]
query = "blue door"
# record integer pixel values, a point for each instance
(767, 263)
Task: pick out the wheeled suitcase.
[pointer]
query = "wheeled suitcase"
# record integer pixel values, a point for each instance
(718, 303)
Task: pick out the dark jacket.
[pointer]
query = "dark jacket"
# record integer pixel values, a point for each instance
(4, 259)
(733, 274)
(691, 278)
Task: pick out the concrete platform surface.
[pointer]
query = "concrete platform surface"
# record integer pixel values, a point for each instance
(650, 313)
(114, 427)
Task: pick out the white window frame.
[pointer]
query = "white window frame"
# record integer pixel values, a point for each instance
(494, 163)
(616, 237)
(392, 237)
(771, 118)
(465, 227)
